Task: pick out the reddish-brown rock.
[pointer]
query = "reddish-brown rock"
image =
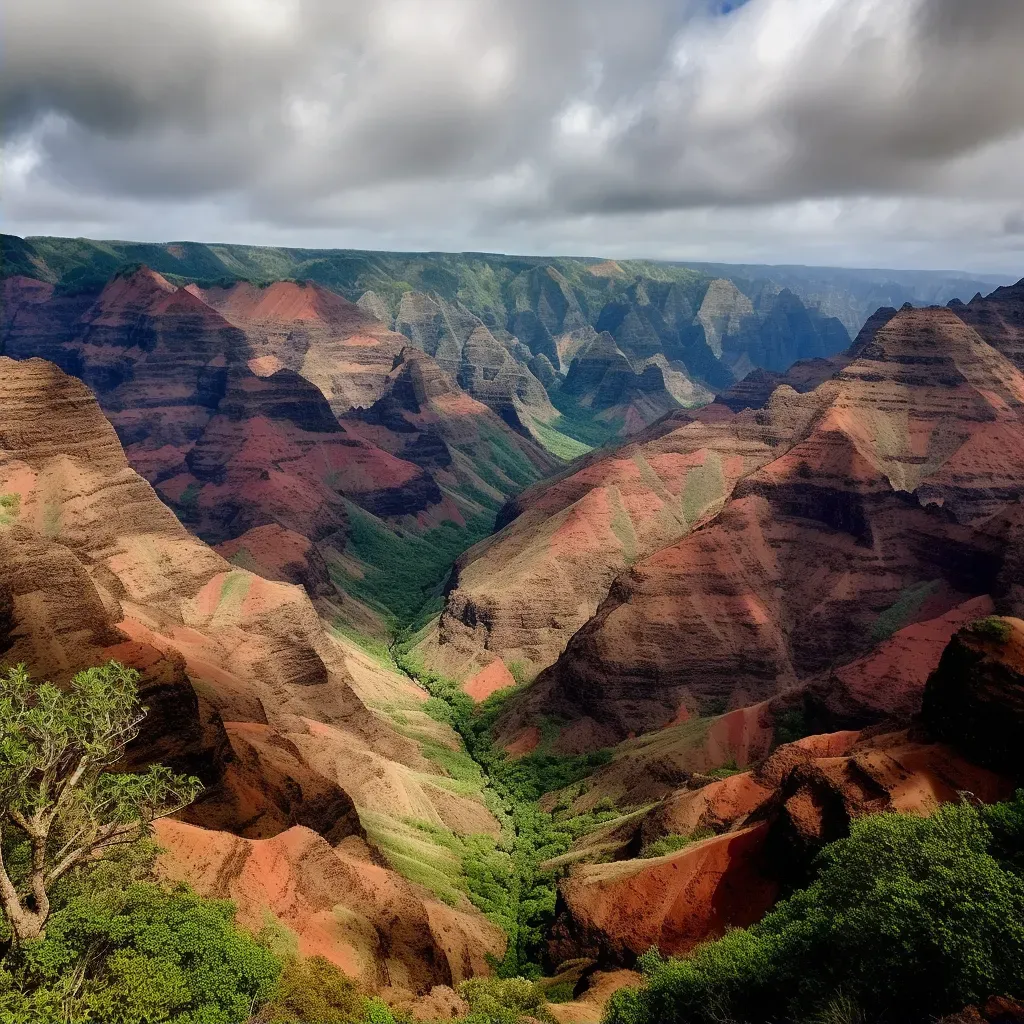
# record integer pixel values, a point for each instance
(974, 700)
(872, 517)
(245, 689)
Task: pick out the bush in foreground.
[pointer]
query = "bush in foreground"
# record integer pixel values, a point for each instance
(908, 919)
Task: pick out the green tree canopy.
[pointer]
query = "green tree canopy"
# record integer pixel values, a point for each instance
(909, 919)
(57, 792)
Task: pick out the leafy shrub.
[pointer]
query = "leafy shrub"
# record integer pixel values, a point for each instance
(313, 991)
(141, 953)
(909, 918)
(503, 1000)
(992, 628)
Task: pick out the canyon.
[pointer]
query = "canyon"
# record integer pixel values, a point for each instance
(424, 560)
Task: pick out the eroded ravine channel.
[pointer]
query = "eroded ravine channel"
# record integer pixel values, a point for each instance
(512, 886)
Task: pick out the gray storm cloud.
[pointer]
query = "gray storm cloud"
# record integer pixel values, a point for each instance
(526, 123)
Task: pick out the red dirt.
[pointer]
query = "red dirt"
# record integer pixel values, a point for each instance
(369, 921)
(673, 902)
(489, 680)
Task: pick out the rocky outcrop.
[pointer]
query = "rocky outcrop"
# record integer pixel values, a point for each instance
(756, 388)
(974, 700)
(244, 687)
(231, 413)
(999, 319)
(342, 348)
(465, 348)
(425, 419)
(864, 510)
(767, 827)
(522, 594)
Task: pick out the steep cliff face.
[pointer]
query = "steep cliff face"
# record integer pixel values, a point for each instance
(974, 700)
(337, 345)
(244, 684)
(629, 392)
(827, 521)
(425, 419)
(868, 516)
(525, 591)
(805, 374)
(999, 319)
(232, 414)
(471, 354)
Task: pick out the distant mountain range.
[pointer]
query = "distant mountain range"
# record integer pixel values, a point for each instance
(569, 351)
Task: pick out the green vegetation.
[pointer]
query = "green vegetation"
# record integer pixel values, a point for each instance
(992, 628)
(503, 1000)
(187, 505)
(57, 795)
(87, 934)
(122, 950)
(506, 880)
(314, 991)
(908, 919)
(903, 610)
(580, 424)
(790, 726)
(403, 572)
(561, 445)
(10, 505)
(675, 842)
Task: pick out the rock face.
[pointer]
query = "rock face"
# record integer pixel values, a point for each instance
(339, 346)
(245, 687)
(773, 337)
(467, 350)
(616, 390)
(999, 319)
(767, 826)
(756, 388)
(974, 700)
(522, 594)
(228, 399)
(820, 548)
(857, 508)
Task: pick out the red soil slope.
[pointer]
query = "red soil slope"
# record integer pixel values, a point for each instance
(873, 516)
(244, 684)
(770, 823)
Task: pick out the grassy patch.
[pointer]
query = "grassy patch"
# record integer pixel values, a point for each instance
(233, 590)
(378, 649)
(902, 610)
(523, 901)
(581, 425)
(674, 843)
(404, 572)
(10, 506)
(992, 628)
(560, 445)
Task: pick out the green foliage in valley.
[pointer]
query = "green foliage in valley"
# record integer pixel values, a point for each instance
(504, 1001)
(908, 919)
(403, 573)
(522, 900)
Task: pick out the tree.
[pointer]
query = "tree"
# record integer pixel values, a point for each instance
(908, 919)
(57, 793)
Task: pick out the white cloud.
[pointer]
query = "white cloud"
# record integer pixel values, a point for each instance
(852, 131)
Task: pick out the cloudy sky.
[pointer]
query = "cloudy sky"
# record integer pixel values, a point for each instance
(849, 132)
